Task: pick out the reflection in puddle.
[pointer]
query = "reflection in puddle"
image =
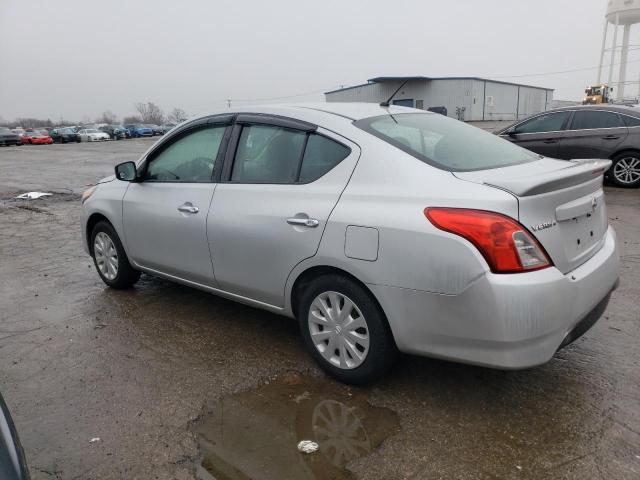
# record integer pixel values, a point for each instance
(254, 435)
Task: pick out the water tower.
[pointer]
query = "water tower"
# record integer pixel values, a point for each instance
(623, 13)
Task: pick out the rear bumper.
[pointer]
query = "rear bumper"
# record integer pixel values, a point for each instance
(504, 321)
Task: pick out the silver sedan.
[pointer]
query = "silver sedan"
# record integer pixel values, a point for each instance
(382, 230)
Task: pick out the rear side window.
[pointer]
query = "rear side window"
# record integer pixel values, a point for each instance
(551, 122)
(320, 156)
(584, 120)
(444, 142)
(277, 155)
(268, 154)
(631, 121)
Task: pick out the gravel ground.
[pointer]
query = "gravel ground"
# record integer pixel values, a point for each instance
(157, 373)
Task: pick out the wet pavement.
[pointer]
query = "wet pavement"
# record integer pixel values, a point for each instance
(177, 383)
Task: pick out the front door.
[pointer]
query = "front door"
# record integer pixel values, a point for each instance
(271, 211)
(165, 213)
(593, 134)
(542, 134)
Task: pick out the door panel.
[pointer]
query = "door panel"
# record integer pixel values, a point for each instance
(165, 214)
(161, 237)
(593, 134)
(258, 232)
(546, 144)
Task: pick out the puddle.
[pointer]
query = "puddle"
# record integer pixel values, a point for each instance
(254, 435)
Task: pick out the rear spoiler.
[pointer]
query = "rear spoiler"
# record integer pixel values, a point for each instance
(578, 171)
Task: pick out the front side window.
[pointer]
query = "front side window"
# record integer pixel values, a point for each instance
(190, 159)
(551, 122)
(268, 154)
(444, 142)
(588, 120)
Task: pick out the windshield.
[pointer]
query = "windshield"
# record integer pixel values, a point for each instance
(4, 130)
(91, 130)
(444, 142)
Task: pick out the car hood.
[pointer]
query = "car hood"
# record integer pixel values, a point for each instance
(108, 179)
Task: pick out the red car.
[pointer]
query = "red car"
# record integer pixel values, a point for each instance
(37, 137)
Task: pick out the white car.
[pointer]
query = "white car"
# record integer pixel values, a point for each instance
(92, 135)
(379, 229)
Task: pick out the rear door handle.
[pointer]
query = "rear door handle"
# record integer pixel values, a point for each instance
(550, 141)
(303, 222)
(188, 207)
(611, 137)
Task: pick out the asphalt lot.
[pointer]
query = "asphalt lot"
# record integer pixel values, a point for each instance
(174, 381)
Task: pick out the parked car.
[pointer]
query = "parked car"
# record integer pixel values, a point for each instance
(92, 135)
(116, 132)
(379, 229)
(7, 137)
(167, 127)
(156, 129)
(13, 465)
(37, 137)
(138, 130)
(586, 131)
(64, 135)
(22, 134)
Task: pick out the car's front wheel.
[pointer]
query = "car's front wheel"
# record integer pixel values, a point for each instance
(345, 330)
(625, 171)
(110, 258)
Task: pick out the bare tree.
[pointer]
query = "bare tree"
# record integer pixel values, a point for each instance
(177, 115)
(107, 117)
(132, 119)
(150, 113)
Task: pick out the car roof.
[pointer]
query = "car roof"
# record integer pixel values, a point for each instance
(349, 110)
(626, 109)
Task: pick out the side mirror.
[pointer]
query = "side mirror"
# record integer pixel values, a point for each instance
(126, 172)
(510, 131)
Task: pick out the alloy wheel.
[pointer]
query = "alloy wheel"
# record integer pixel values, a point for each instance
(106, 255)
(338, 330)
(627, 170)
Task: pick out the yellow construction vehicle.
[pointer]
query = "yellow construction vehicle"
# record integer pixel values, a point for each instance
(597, 94)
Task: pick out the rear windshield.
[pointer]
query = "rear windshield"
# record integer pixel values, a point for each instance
(444, 142)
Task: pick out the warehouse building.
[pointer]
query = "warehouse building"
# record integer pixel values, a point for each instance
(465, 98)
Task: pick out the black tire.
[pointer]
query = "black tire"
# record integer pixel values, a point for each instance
(619, 173)
(382, 350)
(126, 275)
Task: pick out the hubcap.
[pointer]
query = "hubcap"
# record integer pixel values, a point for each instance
(338, 330)
(627, 170)
(106, 255)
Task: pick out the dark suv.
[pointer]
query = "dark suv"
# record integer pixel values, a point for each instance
(589, 131)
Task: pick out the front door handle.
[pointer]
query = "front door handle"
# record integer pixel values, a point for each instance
(611, 137)
(303, 222)
(550, 141)
(188, 207)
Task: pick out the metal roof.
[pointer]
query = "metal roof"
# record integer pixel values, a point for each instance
(371, 81)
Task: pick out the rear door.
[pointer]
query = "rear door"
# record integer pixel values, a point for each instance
(541, 134)
(165, 213)
(280, 182)
(592, 134)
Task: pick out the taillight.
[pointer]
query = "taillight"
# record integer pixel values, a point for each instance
(505, 244)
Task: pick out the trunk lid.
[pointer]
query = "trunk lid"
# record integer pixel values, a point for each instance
(561, 204)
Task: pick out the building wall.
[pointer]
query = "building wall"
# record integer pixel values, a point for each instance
(464, 99)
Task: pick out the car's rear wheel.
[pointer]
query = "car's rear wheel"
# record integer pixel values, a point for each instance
(110, 258)
(625, 171)
(345, 330)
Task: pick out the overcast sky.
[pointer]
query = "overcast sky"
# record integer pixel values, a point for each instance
(78, 58)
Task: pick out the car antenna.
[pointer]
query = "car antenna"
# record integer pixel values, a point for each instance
(386, 104)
